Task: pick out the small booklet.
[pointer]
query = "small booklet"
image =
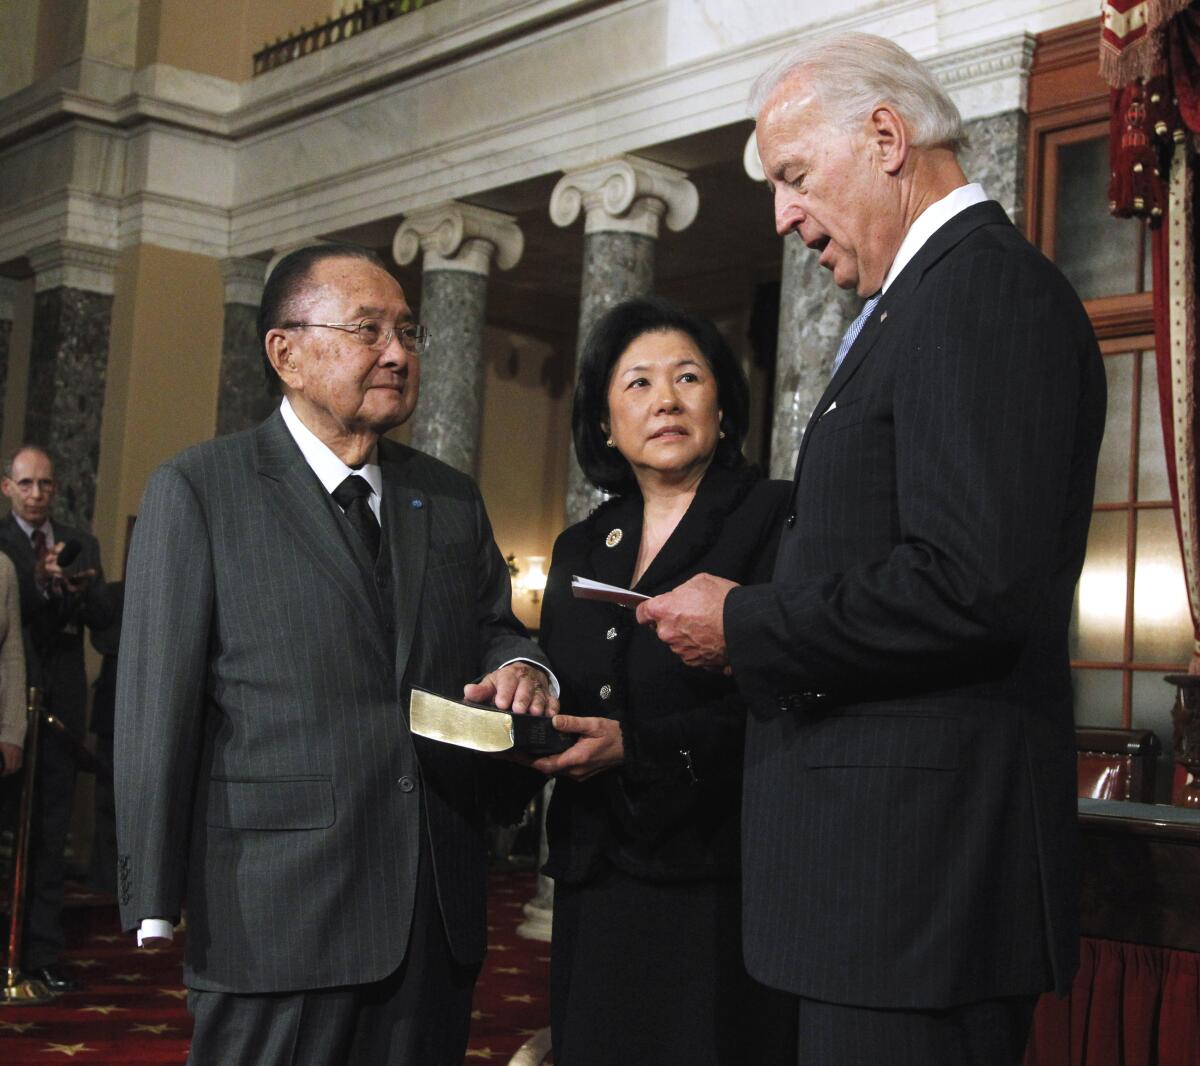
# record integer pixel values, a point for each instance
(481, 728)
(584, 588)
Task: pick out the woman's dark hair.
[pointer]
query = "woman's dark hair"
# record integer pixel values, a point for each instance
(286, 285)
(606, 342)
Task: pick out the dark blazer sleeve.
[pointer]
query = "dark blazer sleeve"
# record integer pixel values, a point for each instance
(160, 696)
(507, 787)
(985, 410)
(502, 636)
(712, 730)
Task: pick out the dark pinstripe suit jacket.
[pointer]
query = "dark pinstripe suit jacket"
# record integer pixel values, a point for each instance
(909, 824)
(267, 780)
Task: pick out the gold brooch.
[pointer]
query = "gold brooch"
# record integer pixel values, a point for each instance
(613, 538)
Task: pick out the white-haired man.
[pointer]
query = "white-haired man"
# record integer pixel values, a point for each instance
(910, 850)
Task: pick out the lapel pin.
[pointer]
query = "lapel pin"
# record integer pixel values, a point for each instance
(418, 503)
(883, 317)
(613, 538)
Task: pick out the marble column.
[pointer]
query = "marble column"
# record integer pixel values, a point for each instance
(995, 157)
(246, 394)
(624, 201)
(8, 297)
(459, 242)
(72, 315)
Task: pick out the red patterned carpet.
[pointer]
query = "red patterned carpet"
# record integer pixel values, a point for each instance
(132, 1008)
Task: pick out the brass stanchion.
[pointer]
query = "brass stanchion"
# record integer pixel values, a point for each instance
(17, 987)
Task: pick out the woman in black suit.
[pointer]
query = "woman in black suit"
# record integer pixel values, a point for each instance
(643, 824)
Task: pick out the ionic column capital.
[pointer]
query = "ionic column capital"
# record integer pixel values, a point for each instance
(244, 280)
(625, 195)
(458, 236)
(751, 160)
(74, 266)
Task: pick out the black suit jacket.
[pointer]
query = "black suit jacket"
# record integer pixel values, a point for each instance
(266, 776)
(53, 625)
(649, 817)
(910, 783)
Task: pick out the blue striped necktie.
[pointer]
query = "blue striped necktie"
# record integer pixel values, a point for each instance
(853, 330)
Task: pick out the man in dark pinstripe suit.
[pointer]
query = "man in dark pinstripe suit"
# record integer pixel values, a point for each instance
(909, 823)
(286, 588)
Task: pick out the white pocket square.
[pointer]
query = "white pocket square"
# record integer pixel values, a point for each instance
(831, 407)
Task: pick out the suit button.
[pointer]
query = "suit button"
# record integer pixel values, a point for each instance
(611, 634)
(605, 691)
(406, 784)
(790, 520)
(381, 580)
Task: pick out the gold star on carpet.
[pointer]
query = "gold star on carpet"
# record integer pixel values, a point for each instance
(499, 947)
(178, 993)
(106, 1009)
(149, 951)
(508, 969)
(479, 1053)
(18, 1027)
(142, 1027)
(519, 999)
(130, 977)
(478, 1015)
(109, 938)
(70, 1050)
(543, 958)
(83, 964)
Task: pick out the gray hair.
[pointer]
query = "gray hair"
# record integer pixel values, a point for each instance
(852, 73)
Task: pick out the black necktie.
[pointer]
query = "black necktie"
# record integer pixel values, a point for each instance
(351, 496)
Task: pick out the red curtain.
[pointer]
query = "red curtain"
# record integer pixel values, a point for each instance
(1131, 1005)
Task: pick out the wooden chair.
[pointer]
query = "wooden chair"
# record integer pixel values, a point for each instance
(1117, 764)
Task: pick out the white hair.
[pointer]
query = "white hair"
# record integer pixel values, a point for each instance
(853, 73)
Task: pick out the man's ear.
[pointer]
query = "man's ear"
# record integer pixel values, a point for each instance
(282, 357)
(888, 137)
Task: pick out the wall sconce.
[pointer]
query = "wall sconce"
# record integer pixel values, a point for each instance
(533, 580)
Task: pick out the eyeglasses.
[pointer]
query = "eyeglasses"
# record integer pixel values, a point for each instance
(27, 485)
(374, 334)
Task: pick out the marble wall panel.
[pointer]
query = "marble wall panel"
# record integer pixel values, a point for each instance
(247, 395)
(450, 409)
(616, 266)
(67, 371)
(995, 158)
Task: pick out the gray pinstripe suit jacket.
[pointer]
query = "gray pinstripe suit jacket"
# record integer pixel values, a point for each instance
(267, 781)
(909, 824)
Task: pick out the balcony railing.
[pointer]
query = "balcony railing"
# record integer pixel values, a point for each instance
(366, 16)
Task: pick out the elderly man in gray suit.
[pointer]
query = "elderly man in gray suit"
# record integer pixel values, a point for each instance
(286, 588)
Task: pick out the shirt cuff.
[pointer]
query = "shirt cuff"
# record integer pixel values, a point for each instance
(554, 688)
(155, 928)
